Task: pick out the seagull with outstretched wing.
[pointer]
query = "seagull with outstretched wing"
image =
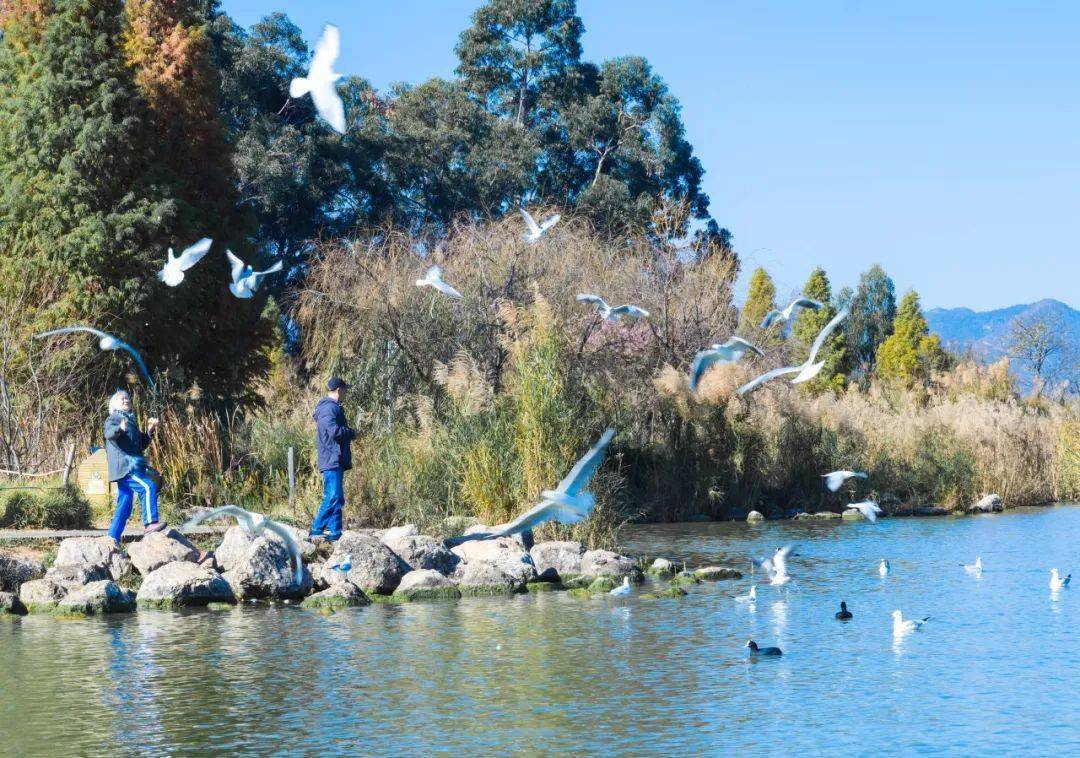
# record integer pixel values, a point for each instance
(321, 81)
(535, 230)
(256, 525)
(805, 371)
(729, 352)
(868, 508)
(245, 279)
(105, 342)
(433, 278)
(776, 566)
(834, 480)
(785, 315)
(175, 266)
(609, 313)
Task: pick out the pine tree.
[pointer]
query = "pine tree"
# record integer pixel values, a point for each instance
(809, 323)
(873, 308)
(760, 299)
(911, 353)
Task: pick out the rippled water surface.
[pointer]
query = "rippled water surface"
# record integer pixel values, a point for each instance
(998, 667)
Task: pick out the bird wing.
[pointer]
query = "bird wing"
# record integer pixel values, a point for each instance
(326, 54)
(703, 361)
(586, 466)
(770, 317)
(538, 514)
(236, 266)
(596, 300)
(550, 222)
(433, 274)
(329, 105)
(630, 310)
(805, 302)
(138, 360)
(259, 275)
(835, 480)
(530, 222)
(226, 510)
(446, 289)
(767, 376)
(290, 543)
(69, 329)
(824, 334)
(194, 254)
(736, 341)
(765, 564)
(808, 372)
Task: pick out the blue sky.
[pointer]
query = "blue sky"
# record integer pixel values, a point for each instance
(939, 139)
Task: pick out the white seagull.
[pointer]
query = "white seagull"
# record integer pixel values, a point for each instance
(868, 508)
(568, 503)
(729, 352)
(884, 568)
(776, 567)
(902, 626)
(608, 313)
(835, 480)
(105, 342)
(256, 525)
(974, 568)
(750, 597)
(623, 589)
(175, 266)
(245, 279)
(805, 371)
(321, 80)
(1056, 582)
(785, 315)
(536, 231)
(433, 278)
(343, 566)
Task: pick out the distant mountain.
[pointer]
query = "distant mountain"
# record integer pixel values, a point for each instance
(988, 334)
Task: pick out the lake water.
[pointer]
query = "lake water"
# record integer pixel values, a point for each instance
(997, 669)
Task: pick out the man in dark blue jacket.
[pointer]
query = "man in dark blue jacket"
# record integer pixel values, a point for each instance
(333, 438)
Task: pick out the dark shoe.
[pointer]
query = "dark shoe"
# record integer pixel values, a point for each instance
(333, 537)
(157, 526)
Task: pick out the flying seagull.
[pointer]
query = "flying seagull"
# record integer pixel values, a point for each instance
(884, 568)
(568, 503)
(807, 370)
(245, 279)
(536, 231)
(322, 79)
(623, 589)
(609, 313)
(776, 567)
(835, 480)
(1056, 582)
(785, 315)
(750, 597)
(105, 342)
(729, 352)
(868, 508)
(974, 568)
(175, 266)
(433, 278)
(902, 626)
(256, 525)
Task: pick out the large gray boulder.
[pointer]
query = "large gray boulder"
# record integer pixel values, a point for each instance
(16, 569)
(426, 584)
(606, 563)
(98, 597)
(662, 568)
(375, 567)
(397, 532)
(506, 553)
(95, 551)
(10, 605)
(485, 529)
(42, 594)
(74, 575)
(422, 552)
(716, 573)
(755, 517)
(183, 583)
(236, 543)
(267, 570)
(557, 560)
(341, 595)
(988, 504)
(158, 548)
(483, 578)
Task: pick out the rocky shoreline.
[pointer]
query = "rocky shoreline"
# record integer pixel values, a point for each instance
(95, 575)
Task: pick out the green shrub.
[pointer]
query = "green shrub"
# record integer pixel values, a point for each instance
(60, 508)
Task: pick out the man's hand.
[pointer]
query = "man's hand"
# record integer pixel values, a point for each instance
(151, 425)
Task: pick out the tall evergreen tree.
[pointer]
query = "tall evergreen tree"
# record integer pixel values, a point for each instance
(911, 353)
(760, 299)
(873, 309)
(809, 323)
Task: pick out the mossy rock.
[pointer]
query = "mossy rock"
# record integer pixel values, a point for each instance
(428, 593)
(221, 606)
(602, 584)
(41, 607)
(69, 614)
(576, 582)
(666, 593)
(324, 603)
(374, 597)
(544, 587)
(488, 590)
(717, 573)
(684, 578)
(579, 593)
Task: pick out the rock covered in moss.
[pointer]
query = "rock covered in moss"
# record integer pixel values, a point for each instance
(426, 584)
(103, 596)
(716, 573)
(16, 569)
(341, 595)
(42, 595)
(602, 584)
(684, 577)
(156, 549)
(182, 583)
(544, 586)
(667, 592)
(557, 559)
(819, 516)
(10, 605)
(104, 552)
(662, 568)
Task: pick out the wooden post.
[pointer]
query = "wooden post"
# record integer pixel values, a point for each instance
(69, 462)
(292, 479)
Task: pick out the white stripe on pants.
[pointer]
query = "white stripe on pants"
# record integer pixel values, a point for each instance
(144, 499)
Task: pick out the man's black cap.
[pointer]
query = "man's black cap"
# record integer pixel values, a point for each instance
(336, 383)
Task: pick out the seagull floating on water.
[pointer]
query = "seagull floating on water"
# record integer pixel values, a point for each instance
(536, 231)
(608, 313)
(105, 342)
(868, 508)
(884, 568)
(901, 626)
(175, 266)
(433, 278)
(568, 503)
(756, 651)
(835, 479)
(843, 614)
(321, 80)
(623, 589)
(729, 352)
(973, 568)
(776, 567)
(785, 315)
(245, 279)
(256, 525)
(805, 371)
(1056, 582)
(750, 597)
